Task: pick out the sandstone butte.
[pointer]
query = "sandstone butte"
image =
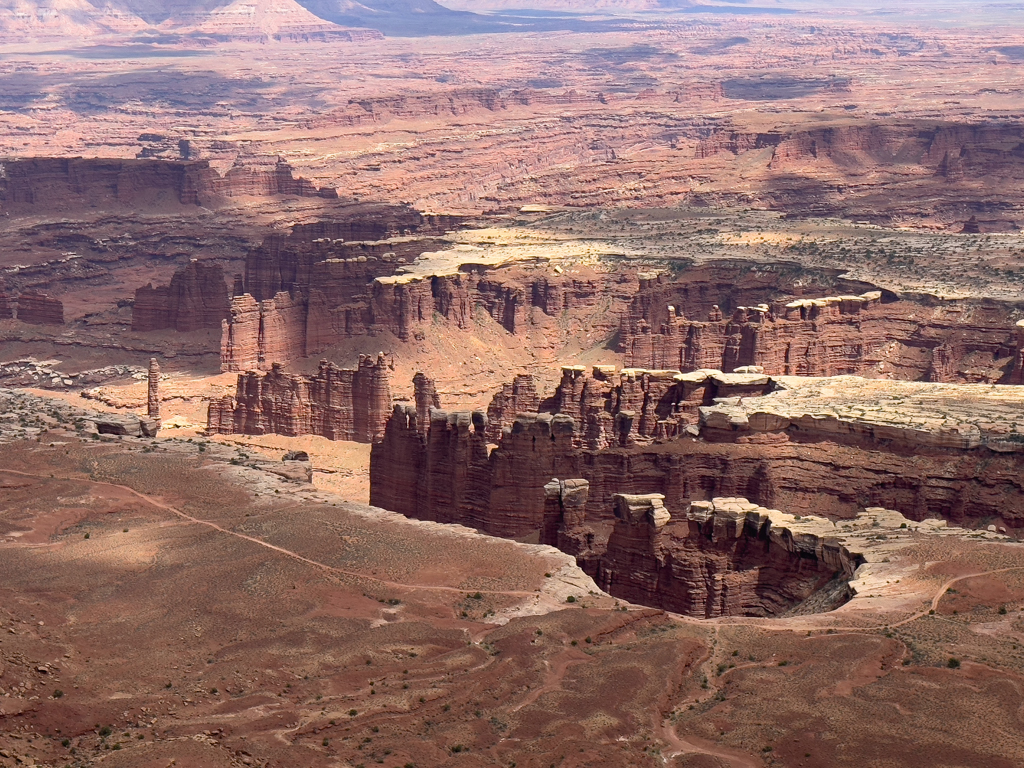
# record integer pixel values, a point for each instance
(829, 446)
(731, 557)
(196, 297)
(37, 308)
(336, 403)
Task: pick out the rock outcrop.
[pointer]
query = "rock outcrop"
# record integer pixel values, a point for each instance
(955, 451)
(6, 310)
(39, 309)
(336, 403)
(426, 398)
(63, 183)
(129, 426)
(724, 557)
(257, 334)
(518, 397)
(153, 390)
(197, 297)
(859, 334)
(814, 446)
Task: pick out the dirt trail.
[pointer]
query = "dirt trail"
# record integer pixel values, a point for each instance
(665, 729)
(553, 678)
(280, 550)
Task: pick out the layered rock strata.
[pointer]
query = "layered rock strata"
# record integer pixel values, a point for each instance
(39, 309)
(153, 390)
(518, 397)
(955, 451)
(426, 398)
(336, 403)
(731, 557)
(858, 334)
(374, 275)
(6, 310)
(724, 557)
(197, 297)
(62, 183)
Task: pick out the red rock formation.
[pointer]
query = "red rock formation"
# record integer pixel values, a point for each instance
(6, 311)
(721, 559)
(57, 183)
(565, 514)
(258, 334)
(345, 298)
(810, 464)
(39, 309)
(153, 390)
(196, 298)
(426, 398)
(336, 403)
(849, 334)
(518, 397)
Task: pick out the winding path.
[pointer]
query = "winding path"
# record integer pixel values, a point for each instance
(280, 550)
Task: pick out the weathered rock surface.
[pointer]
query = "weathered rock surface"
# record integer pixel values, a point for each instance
(955, 451)
(153, 390)
(37, 308)
(918, 416)
(666, 326)
(518, 397)
(6, 311)
(426, 398)
(197, 297)
(730, 557)
(336, 403)
(56, 183)
(129, 425)
(725, 557)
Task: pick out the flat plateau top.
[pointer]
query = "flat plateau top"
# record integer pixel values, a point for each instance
(967, 415)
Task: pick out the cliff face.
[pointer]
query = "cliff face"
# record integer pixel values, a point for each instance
(258, 334)
(336, 403)
(39, 309)
(343, 298)
(59, 183)
(197, 297)
(817, 170)
(923, 449)
(6, 311)
(831, 336)
(725, 557)
(518, 397)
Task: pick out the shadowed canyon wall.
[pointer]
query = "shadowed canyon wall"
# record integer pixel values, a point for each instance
(197, 297)
(726, 557)
(678, 439)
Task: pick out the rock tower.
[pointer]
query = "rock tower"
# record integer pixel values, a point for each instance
(153, 398)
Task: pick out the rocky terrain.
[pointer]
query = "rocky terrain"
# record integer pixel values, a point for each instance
(637, 383)
(811, 445)
(253, 635)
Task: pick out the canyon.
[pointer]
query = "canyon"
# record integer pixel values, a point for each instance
(810, 445)
(622, 383)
